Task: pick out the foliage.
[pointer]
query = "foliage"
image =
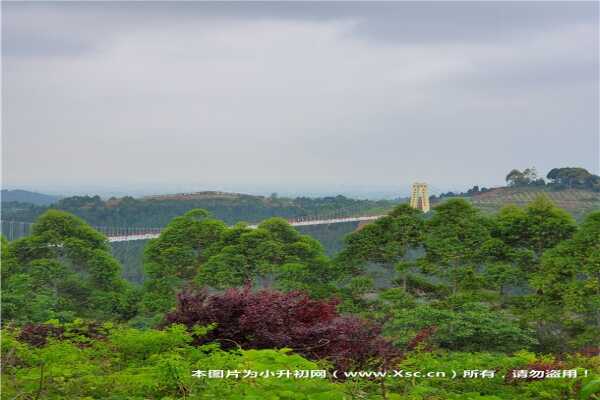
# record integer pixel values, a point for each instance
(559, 178)
(203, 250)
(271, 319)
(574, 178)
(528, 177)
(137, 364)
(245, 254)
(498, 387)
(537, 227)
(469, 292)
(172, 260)
(455, 237)
(387, 239)
(591, 390)
(567, 301)
(469, 327)
(148, 364)
(158, 211)
(64, 269)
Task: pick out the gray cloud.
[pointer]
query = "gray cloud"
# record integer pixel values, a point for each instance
(296, 94)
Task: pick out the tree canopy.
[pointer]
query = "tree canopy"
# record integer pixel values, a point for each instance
(64, 269)
(461, 291)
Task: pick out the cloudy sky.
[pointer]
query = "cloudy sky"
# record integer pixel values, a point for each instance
(295, 95)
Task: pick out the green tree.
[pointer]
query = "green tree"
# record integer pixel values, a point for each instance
(64, 269)
(573, 178)
(386, 240)
(125, 363)
(197, 250)
(172, 260)
(274, 251)
(455, 237)
(528, 177)
(538, 227)
(468, 327)
(567, 284)
(386, 243)
(516, 178)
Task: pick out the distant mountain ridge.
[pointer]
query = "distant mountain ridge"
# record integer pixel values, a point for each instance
(25, 196)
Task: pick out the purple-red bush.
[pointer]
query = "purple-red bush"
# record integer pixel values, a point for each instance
(37, 334)
(271, 319)
(422, 337)
(82, 334)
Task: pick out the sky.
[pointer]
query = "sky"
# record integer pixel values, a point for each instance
(295, 97)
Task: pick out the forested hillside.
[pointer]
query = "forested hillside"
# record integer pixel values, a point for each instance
(157, 211)
(506, 303)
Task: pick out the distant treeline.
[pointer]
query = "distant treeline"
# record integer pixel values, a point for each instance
(128, 211)
(558, 179)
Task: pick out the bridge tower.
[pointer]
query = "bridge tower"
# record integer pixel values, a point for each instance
(419, 197)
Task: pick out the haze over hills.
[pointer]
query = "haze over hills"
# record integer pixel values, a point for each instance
(572, 188)
(25, 196)
(372, 192)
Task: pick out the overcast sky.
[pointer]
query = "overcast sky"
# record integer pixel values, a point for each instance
(304, 95)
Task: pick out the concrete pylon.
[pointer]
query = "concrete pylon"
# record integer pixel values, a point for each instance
(419, 197)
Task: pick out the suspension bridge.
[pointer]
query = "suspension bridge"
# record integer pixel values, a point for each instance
(419, 199)
(15, 229)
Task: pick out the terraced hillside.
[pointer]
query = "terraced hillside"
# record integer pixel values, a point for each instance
(576, 201)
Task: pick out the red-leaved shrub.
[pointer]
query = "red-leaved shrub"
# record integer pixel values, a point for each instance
(37, 334)
(272, 319)
(83, 334)
(422, 338)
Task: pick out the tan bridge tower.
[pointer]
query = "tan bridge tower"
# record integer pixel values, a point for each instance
(419, 197)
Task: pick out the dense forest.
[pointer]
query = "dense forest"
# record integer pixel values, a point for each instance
(477, 306)
(231, 208)
(157, 211)
(130, 253)
(570, 188)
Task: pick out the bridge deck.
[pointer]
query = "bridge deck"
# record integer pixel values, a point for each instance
(154, 235)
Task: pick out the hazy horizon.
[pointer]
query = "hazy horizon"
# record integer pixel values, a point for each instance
(358, 192)
(141, 98)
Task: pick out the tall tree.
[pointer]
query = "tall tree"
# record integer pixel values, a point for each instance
(273, 251)
(455, 237)
(567, 301)
(197, 250)
(538, 227)
(571, 177)
(63, 270)
(172, 260)
(386, 240)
